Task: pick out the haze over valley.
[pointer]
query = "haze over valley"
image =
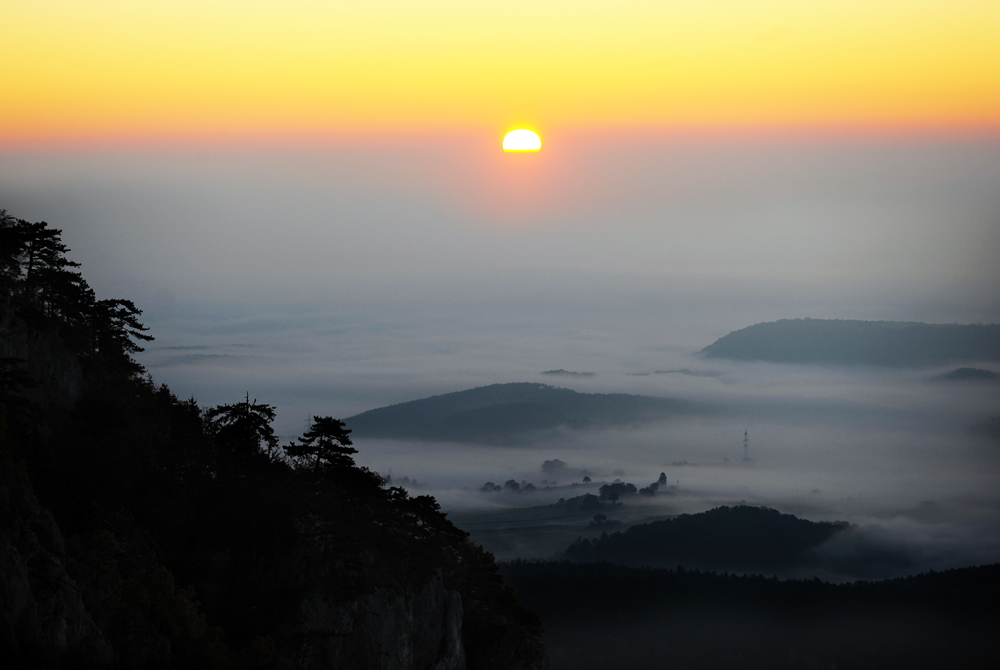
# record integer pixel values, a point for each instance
(279, 273)
(585, 397)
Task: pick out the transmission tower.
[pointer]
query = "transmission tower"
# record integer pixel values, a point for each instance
(746, 445)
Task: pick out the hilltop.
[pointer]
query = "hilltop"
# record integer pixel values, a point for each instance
(729, 538)
(841, 342)
(509, 413)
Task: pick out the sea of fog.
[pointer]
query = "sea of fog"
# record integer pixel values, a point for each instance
(335, 279)
(886, 450)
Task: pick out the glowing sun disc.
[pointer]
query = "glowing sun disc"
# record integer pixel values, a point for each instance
(522, 139)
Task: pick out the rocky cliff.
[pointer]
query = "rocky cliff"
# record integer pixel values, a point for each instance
(415, 629)
(43, 620)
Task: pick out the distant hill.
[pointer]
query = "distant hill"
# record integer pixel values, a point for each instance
(882, 343)
(504, 413)
(967, 375)
(730, 538)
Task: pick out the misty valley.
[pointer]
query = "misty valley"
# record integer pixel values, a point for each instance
(799, 493)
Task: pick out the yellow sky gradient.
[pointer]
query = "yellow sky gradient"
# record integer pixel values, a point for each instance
(112, 69)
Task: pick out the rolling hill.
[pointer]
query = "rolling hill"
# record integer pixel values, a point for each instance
(506, 413)
(731, 538)
(840, 342)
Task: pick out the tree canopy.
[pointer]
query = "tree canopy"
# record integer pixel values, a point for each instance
(325, 446)
(42, 287)
(242, 431)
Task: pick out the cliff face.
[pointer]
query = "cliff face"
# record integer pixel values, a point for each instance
(43, 620)
(45, 623)
(416, 629)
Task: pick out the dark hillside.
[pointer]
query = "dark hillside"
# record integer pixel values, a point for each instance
(139, 530)
(730, 538)
(838, 342)
(599, 615)
(509, 413)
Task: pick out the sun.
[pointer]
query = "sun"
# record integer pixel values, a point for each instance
(522, 139)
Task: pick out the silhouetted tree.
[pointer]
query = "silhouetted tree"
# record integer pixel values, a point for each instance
(243, 432)
(41, 285)
(325, 446)
(115, 326)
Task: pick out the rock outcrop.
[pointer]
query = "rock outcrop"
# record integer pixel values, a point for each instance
(416, 629)
(43, 620)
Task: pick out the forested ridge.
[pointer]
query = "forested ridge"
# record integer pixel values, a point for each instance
(512, 413)
(195, 539)
(741, 537)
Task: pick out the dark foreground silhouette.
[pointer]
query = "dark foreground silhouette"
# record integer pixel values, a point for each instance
(139, 530)
(599, 616)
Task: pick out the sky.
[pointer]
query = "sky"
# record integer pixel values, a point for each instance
(113, 70)
(309, 202)
(704, 165)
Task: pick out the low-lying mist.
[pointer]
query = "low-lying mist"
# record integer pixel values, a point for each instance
(886, 450)
(883, 450)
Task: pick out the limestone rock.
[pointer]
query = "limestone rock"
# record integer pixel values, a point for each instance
(416, 629)
(43, 620)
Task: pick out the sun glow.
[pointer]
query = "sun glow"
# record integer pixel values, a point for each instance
(522, 139)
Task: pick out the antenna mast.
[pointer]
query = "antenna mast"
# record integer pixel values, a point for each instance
(746, 445)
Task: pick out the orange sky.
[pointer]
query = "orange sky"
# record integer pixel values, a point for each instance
(110, 70)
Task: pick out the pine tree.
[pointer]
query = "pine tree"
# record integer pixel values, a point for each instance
(243, 432)
(325, 446)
